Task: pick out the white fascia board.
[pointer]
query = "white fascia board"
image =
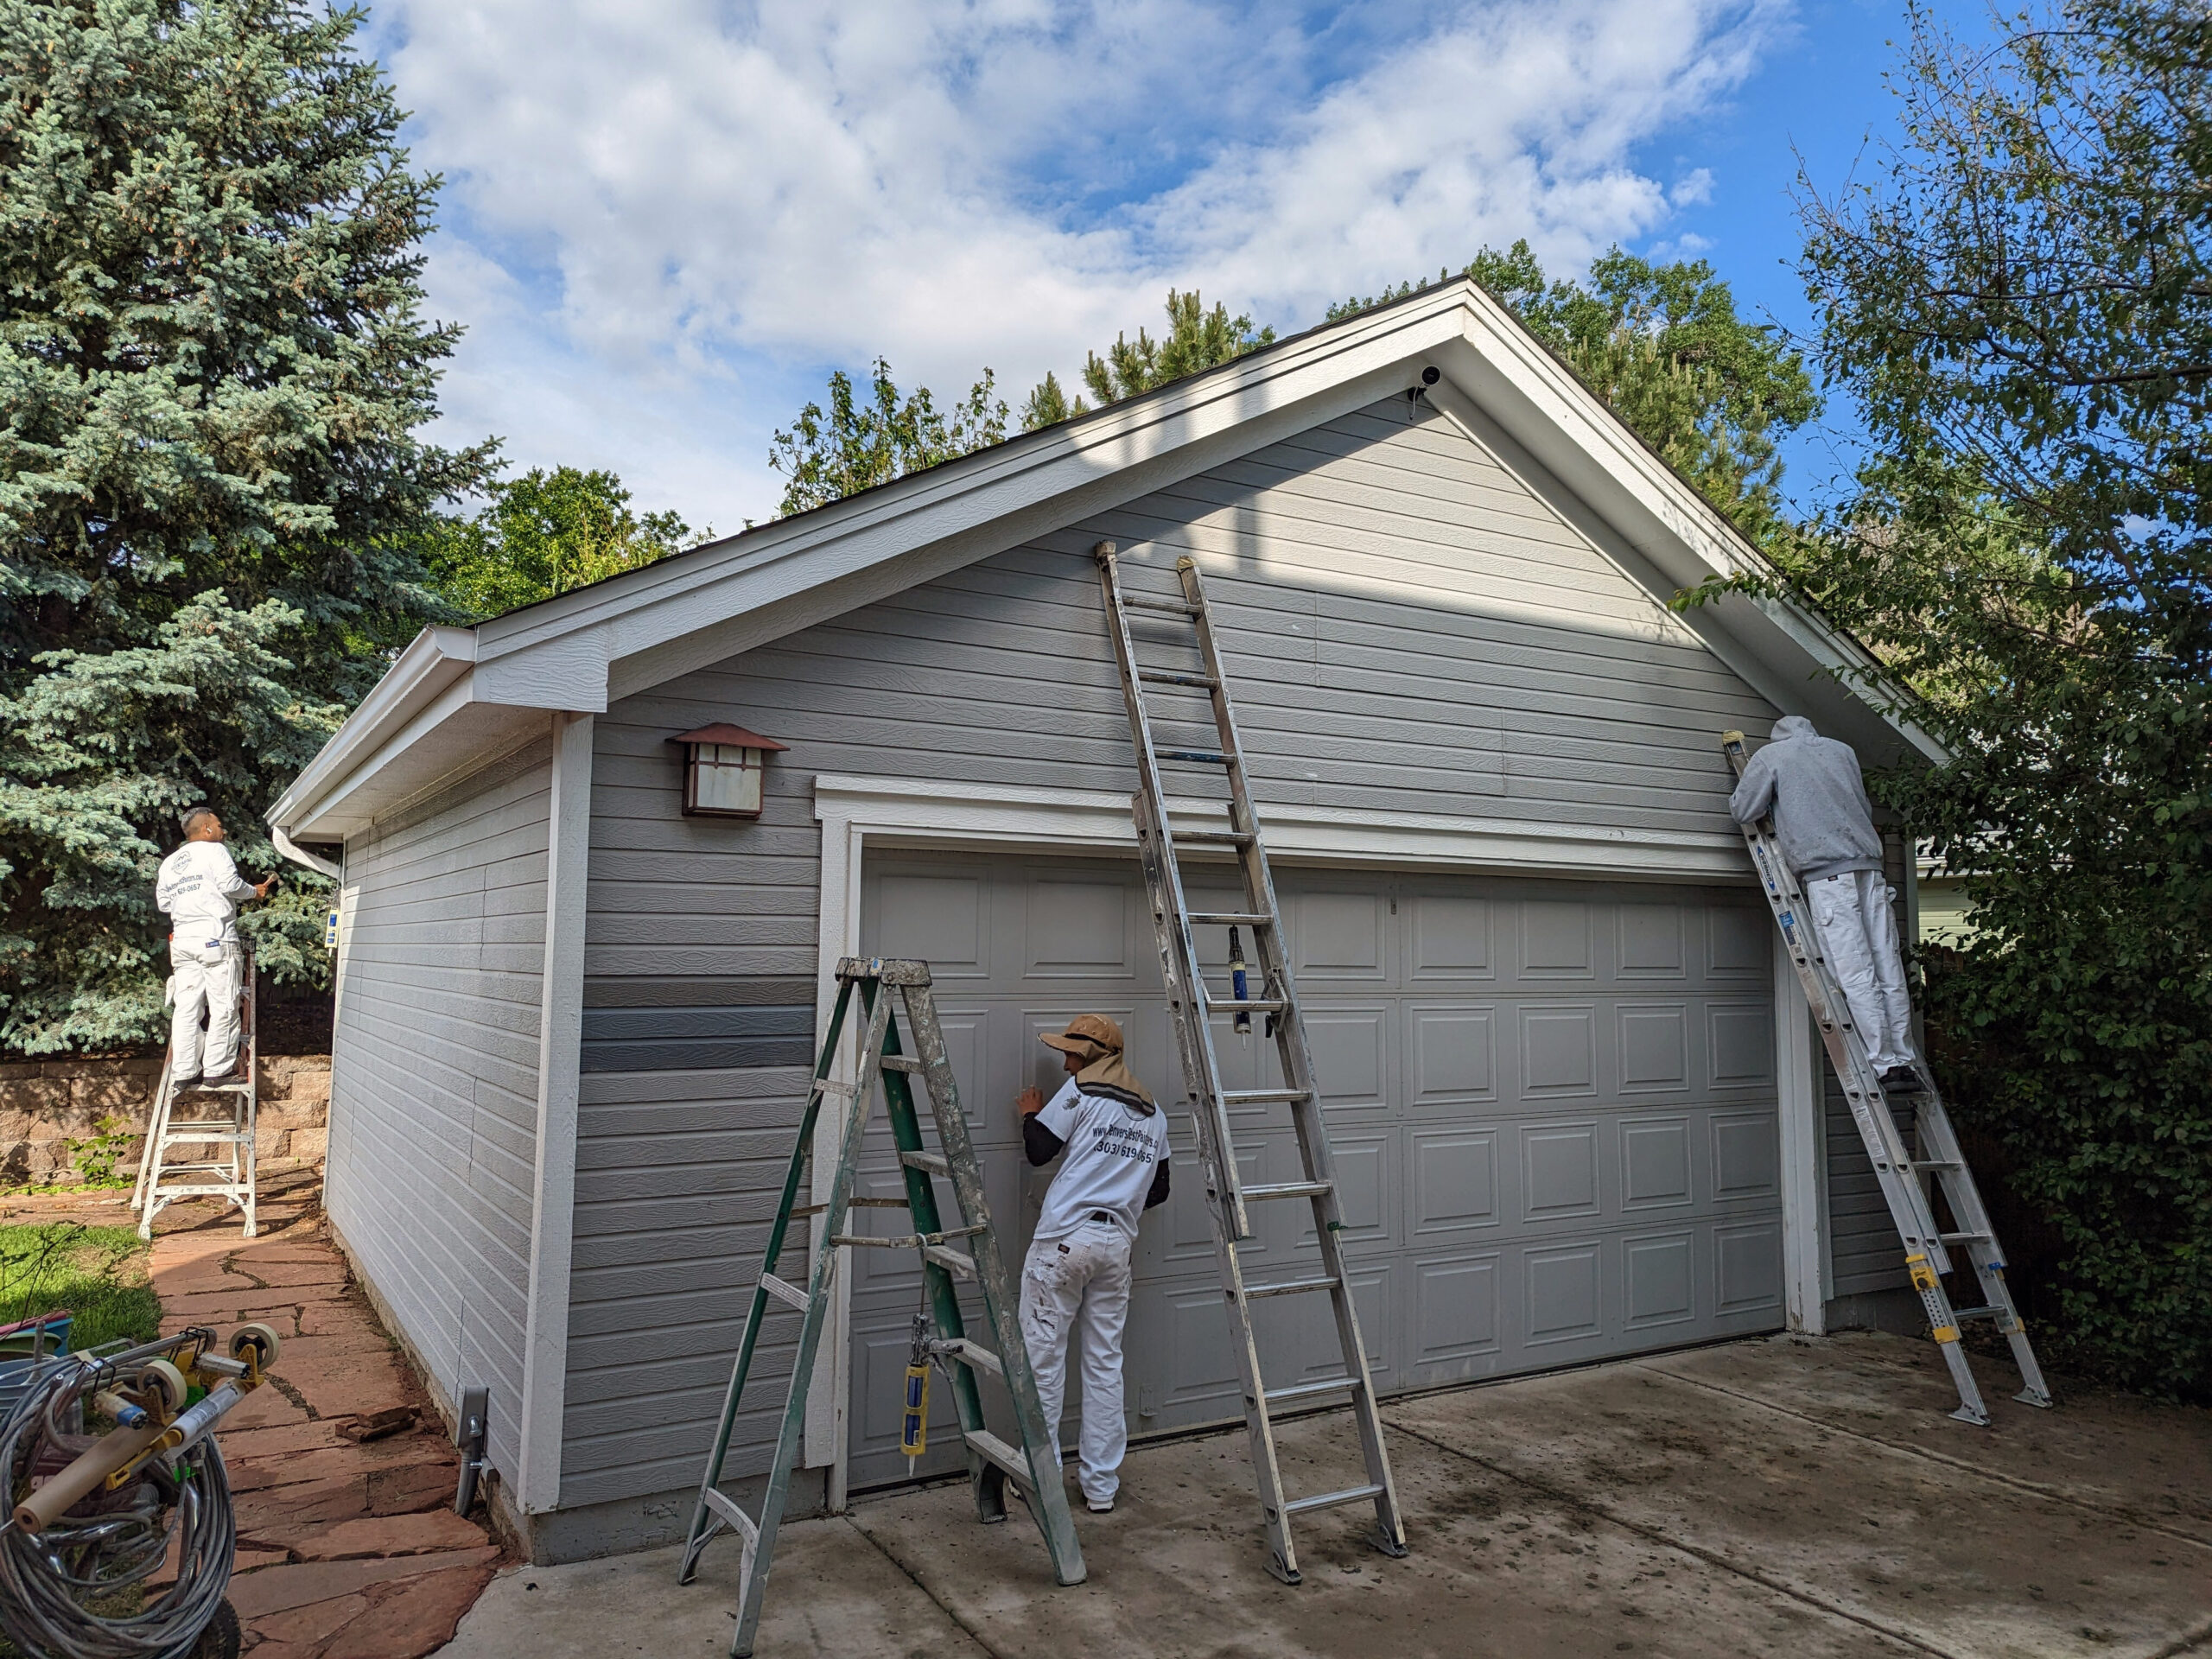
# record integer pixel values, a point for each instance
(686, 612)
(418, 677)
(1502, 371)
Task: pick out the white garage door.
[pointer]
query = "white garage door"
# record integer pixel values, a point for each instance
(1552, 1104)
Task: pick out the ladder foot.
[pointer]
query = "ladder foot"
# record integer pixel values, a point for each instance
(2036, 1397)
(1286, 1573)
(1973, 1415)
(1395, 1548)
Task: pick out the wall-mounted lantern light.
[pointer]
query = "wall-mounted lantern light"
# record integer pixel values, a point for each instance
(723, 766)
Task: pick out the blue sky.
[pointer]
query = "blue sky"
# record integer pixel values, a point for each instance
(666, 220)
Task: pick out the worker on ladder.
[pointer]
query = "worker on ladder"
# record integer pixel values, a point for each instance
(1077, 1272)
(200, 889)
(1825, 825)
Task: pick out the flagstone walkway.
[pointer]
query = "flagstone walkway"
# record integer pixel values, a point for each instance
(345, 1551)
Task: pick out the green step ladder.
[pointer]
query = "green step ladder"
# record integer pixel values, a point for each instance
(1032, 1468)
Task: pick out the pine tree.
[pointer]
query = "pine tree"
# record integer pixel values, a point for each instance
(546, 533)
(213, 366)
(1196, 339)
(860, 442)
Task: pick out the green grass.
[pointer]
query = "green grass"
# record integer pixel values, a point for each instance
(98, 1273)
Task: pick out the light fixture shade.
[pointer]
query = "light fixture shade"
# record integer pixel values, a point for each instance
(722, 770)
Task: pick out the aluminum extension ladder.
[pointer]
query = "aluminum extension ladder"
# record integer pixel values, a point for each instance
(230, 1167)
(1927, 1246)
(1191, 1001)
(1034, 1469)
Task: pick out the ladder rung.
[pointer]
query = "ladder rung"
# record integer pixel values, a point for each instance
(1231, 918)
(1989, 1311)
(1935, 1163)
(1966, 1238)
(789, 1295)
(1203, 757)
(993, 1449)
(976, 1357)
(799, 1210)
(929, 1163)
(1313, 1390)
(1288, 1287)
(1166, 607)
(1242, 1005)
(824, 1086)
(1288, 1190)
(729, 1515)
(955, 1262)
(1261, 1096)
(1329, 1500)
(1176, 677)
(1214, 837)
(905, 1063)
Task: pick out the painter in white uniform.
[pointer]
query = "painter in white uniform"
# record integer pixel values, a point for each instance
(200, 889)
(1112, 1142)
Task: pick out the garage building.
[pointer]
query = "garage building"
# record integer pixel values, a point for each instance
(1571, 1087)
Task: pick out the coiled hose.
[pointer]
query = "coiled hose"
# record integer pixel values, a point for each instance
(70, 1591)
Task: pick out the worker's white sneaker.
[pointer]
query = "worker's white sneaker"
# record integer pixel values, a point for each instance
(1100, 1505)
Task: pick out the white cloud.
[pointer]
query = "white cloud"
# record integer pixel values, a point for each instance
(667, 217)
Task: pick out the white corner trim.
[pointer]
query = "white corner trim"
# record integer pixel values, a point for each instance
(1805, 1266)
(560, 1033)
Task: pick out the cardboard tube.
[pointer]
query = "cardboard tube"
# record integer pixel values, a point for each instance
(64, 1491)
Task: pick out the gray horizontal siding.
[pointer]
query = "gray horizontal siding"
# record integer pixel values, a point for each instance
(1411, 628)
(434, 1074)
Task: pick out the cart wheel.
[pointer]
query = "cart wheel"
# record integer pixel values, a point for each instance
(255, 1335)
(159, 1376)
(221, 1639)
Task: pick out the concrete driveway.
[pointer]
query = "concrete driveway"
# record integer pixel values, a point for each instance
(1806, 1498)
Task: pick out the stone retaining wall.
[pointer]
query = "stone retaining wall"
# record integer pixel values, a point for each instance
(51, 1111)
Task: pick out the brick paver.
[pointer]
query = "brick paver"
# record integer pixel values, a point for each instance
(345, 1550)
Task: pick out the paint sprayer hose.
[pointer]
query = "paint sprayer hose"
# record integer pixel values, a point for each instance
(73, 1589)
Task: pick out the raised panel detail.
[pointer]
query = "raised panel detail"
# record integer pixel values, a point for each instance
(1348, 1054)
(1455, 1180)
(1660, 1274)
(1655, 1164)
(1564, 1300)
(1076, 930)
(935, 917)
(1741, 1043)
(1455, 1308)
(1454, 1054)
(1655, 1049)
(1338, 936)
(1554, 939)
(1746, 1157)
(1739, 942)
(1559, 1171)
(1748, 1264)
(1558, 1052)
(1452, 938)
(1651, 942)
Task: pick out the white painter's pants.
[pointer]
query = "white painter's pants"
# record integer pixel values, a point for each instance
(1080, 1284)
(1858, 937)
(204, 980)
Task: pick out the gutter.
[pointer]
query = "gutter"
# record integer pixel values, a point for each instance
(285, 845)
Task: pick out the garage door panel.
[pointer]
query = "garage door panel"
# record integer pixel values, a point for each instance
(941, 917)
(1452, 1055)
(1551, 1108)
(1455, 1175)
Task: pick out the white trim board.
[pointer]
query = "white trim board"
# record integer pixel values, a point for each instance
(857, 814)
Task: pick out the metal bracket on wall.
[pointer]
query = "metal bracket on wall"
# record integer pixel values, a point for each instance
(468, 1435)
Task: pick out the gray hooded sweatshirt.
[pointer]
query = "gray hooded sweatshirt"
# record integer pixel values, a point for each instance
(1812, 785)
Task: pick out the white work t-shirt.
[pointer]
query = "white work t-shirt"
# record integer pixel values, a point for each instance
(198, 886)
(1112, 1151)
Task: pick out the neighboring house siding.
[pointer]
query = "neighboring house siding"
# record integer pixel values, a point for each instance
(434, 1077)
(1410, 627)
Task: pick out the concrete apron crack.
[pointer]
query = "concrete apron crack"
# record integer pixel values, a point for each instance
(2131, 1517)
(1576, 1500)
(915, 1578)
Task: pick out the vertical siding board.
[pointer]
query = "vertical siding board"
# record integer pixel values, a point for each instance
(1410, 629)
(433, 1079)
